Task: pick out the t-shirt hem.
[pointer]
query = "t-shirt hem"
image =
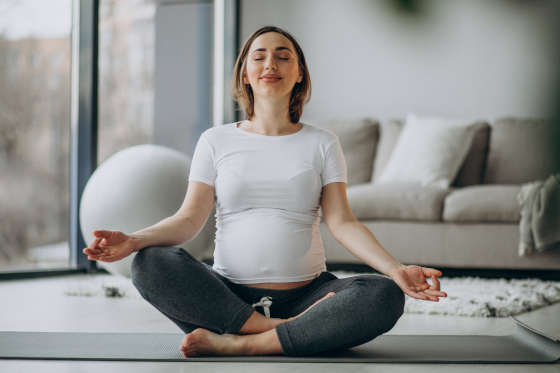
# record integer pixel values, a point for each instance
(335, 180)
(276, 279)
(205, 181)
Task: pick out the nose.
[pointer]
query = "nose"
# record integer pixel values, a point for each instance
(270, 62)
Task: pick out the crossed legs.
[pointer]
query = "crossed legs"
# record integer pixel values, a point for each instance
(261, 338)
(216, 321)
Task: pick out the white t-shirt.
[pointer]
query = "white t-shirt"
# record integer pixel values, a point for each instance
(268, 191)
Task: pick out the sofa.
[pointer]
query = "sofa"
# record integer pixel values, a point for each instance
(473, 223)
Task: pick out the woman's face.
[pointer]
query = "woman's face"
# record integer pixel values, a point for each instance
(272, 67)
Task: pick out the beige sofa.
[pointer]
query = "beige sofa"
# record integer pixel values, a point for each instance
(472, 224)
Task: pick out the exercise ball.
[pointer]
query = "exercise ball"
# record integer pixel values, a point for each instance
(134, 189)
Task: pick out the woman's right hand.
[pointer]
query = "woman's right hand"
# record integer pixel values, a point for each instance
(109, 246)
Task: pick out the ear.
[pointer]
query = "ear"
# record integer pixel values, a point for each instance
(245, 81)
(300, 76)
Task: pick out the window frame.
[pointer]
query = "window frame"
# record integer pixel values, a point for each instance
(84, 119)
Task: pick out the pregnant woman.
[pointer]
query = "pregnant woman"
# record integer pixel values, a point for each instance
(268, 290)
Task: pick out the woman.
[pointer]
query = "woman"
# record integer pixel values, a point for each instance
(270, 174)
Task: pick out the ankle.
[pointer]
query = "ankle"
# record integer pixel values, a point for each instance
(245, 344)
(249, 344)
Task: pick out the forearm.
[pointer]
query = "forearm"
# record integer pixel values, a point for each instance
(170, 231)
(359, 240)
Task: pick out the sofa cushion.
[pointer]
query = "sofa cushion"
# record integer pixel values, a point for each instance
(472, 169)
(358, 139)
(430, 150)
(389, 132)
(483, 203)
(396, 201)
(521, 150)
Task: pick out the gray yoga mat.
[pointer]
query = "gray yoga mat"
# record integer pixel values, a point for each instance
(523, 346)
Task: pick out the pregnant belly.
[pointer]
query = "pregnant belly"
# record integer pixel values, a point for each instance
(265, 246)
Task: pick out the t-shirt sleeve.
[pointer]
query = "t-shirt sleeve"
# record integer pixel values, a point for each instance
(334, 164)
(202, 163)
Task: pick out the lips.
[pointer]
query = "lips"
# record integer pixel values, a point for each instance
(270, 77)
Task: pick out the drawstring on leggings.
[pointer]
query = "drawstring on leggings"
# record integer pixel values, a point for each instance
(265, 303)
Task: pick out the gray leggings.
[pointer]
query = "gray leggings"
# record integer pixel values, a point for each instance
(192, 295)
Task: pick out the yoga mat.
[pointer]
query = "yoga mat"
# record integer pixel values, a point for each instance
(544, 321)
(523, 346)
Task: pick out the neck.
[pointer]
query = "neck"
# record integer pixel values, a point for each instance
(272, 117)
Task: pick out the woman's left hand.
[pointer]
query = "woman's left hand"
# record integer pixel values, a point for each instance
(412, 280)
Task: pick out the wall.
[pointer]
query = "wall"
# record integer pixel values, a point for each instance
(183, 74)
(468, 58)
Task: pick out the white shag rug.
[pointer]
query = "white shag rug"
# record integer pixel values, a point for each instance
(466, 296)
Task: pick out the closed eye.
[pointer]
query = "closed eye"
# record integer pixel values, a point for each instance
(260, 59)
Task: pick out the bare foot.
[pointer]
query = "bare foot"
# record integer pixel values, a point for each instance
(204, 342)
(330, 294)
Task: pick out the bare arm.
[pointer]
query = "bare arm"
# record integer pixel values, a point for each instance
(359, 240)
(170, 231)
(351, 233)
(184, 225)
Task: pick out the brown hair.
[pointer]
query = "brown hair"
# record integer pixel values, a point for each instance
(243, 93)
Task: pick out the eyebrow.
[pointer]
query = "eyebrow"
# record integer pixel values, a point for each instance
(278, 49)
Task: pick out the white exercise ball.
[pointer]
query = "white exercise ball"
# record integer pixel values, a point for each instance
(134, 189)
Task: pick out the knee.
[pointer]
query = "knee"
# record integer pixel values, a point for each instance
(385, 295)
(396, 297)
(146, 262)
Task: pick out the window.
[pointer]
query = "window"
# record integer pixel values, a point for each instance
(154, 85)
(155, 74)
(35, 55)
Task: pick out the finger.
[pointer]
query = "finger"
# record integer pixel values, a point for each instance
(436, 293)
(418, 287)
(95, 255)
(89, 251)
(95, 242)
(420, 284)
(429, 297)
(102, 258)
(431, 272)
(432, 294)
(436, 284)
(93, 246)
(97, 246)
(102, 245)
(101, 233)
(92, 252)
(416, 295)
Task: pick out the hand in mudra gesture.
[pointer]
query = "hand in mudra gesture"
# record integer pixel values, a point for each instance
(412, 280)
(109, 246)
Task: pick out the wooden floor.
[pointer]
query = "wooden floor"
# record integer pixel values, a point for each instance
(41, 305)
